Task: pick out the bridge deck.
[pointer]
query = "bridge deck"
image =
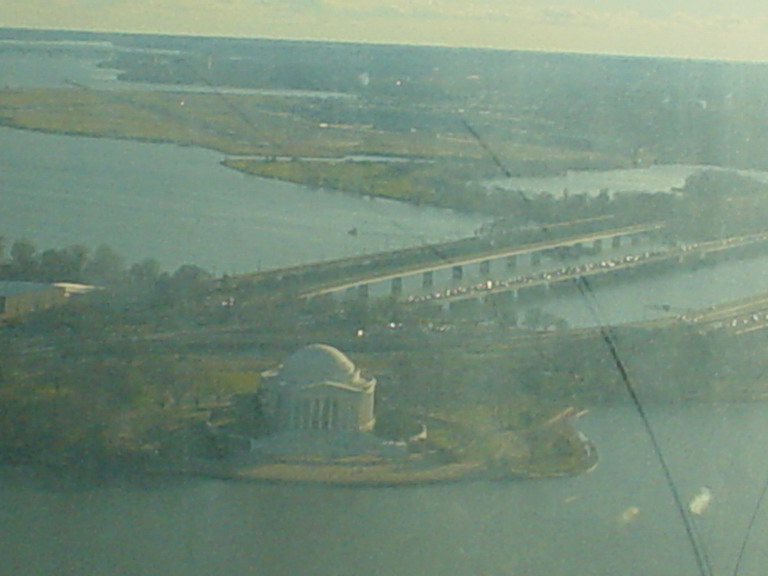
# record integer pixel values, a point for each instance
(449, 262)
(578, 272)
(574, 273)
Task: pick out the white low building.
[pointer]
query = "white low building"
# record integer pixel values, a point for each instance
(19, 298)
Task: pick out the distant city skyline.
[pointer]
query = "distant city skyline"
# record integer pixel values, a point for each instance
(711, 29)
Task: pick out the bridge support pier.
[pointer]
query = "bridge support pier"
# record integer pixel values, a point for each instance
(467, 305)
(428, 279)
(534, 291)
(500, 299)
(501, 307)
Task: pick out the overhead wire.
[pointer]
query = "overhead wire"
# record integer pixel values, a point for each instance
(702, 559)
(700, 555)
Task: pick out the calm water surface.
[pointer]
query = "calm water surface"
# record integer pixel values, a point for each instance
(673, 294)
(656, 178)
(554, 527)
(180, 206)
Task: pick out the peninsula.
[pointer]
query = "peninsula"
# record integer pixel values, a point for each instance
(280, 137)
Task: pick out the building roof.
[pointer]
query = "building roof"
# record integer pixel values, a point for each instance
(316, 363)
(320, 364)
(11, 288)
(73, 288)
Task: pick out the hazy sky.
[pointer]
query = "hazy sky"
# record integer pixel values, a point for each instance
(732, 29)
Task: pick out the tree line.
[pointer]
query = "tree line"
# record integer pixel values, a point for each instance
(21, 260)
(711, 204)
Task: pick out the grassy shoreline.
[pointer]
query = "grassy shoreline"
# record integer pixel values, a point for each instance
(443, 164)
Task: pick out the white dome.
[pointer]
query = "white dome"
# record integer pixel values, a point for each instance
(318, 363)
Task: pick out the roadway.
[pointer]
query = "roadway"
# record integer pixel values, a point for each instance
(579, 272)
(464, 260)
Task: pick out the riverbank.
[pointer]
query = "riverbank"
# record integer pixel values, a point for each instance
(409, 470)
(204, 523)
(365, 471)
(433, 169)
(374, 475)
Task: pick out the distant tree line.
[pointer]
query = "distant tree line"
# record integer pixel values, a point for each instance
(77, 263)
(104, 266)
(711, 204)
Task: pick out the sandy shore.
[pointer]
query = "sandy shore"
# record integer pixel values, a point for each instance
(381, 473)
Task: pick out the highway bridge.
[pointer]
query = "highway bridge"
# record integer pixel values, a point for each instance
(740, 317)
(455, 275)
(648, 261)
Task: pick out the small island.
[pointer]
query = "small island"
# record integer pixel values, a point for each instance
(314, 420)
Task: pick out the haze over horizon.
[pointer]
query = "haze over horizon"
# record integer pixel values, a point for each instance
(708, 29)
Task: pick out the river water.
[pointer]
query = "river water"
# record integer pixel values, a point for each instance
(619, 519)
(178, 205)
(38, 64)
(655, 178)
(675, 294)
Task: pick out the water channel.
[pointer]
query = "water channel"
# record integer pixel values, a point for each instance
(619, 519)
(674, 294)
(654, 178)
(178, 204)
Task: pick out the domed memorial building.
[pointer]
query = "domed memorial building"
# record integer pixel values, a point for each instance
(318, 389)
